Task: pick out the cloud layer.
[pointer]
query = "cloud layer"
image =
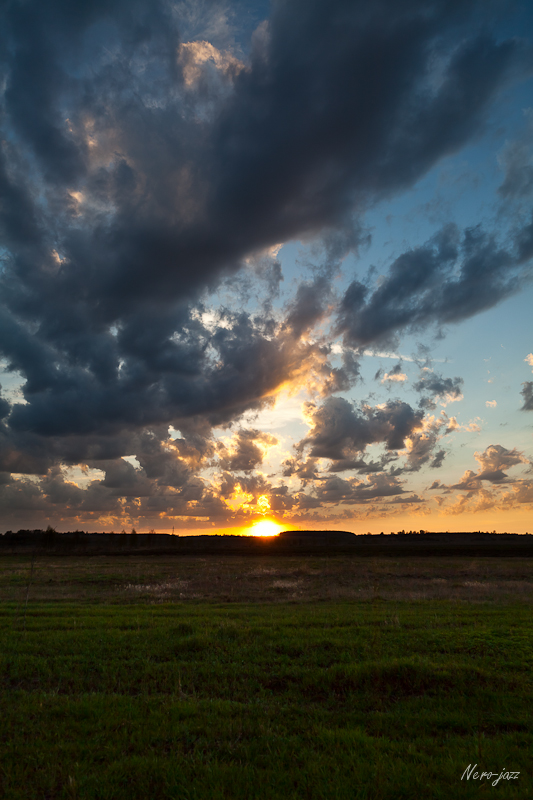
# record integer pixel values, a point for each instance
(142, 172)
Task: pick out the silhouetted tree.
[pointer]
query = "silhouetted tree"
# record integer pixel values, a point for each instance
(49, 536)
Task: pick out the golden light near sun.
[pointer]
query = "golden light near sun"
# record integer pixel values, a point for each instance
(265, 527)
(263, 504)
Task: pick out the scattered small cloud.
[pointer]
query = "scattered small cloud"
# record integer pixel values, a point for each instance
(395, 375)
(399, 378)
(527, 394)
(472, 427)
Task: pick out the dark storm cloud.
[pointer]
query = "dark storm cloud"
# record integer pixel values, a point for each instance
(309, 306)
(138, 170)
(339, 430)
(525, 242)
(124, 480)
(352, 491)
(5, 406)
(517, 163)
(217, 374)
(527, 394)
(124, 494)
(245, 455)
(359, 465)
(306, 470)
(341, 433)
(450, 278)
(338, 134)
(280, 499)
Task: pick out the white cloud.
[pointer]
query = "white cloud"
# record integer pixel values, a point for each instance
(397, 377)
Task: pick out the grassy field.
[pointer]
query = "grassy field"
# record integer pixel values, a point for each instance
(228, 578)
(239, 678)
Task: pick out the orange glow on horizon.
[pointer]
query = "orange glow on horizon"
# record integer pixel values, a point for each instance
(264, 527)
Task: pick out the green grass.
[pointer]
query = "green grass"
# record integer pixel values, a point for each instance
(380, 699)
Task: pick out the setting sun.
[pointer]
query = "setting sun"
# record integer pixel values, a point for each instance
(265, 527)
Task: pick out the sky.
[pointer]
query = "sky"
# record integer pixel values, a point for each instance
(266, 265)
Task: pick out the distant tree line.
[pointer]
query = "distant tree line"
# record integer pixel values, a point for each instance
(51, 538)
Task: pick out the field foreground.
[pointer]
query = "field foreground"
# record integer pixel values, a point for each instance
(232, 578)
(376, 698)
